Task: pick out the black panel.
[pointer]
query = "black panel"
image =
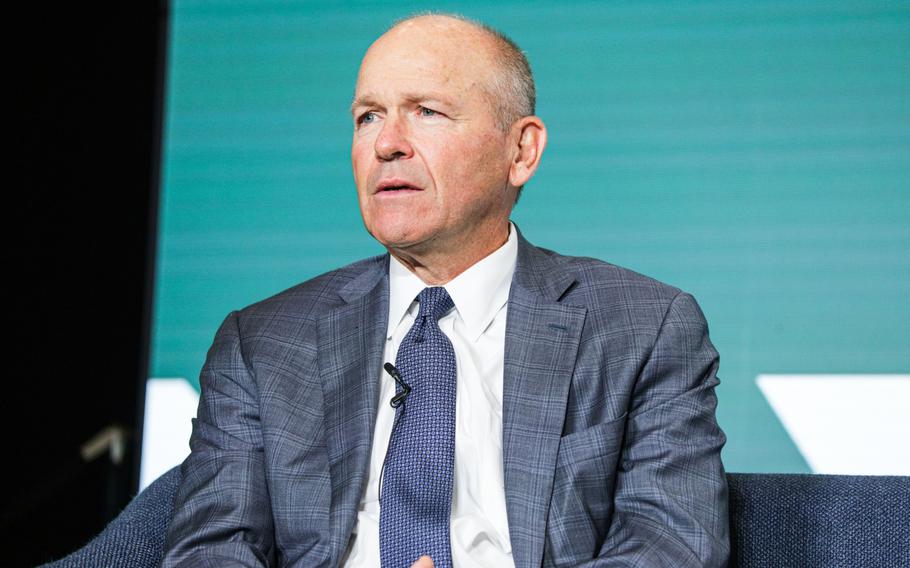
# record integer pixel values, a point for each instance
(87, 85)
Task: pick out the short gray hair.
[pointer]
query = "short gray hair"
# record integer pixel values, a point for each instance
(512, 91)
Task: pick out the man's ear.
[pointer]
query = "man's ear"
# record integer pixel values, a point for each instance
(530, 135)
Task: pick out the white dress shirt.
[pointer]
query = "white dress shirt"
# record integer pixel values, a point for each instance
(476, 327)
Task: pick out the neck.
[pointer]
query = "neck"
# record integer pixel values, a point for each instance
(437, 266)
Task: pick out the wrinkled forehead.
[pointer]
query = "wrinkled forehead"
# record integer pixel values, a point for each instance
(441, 54)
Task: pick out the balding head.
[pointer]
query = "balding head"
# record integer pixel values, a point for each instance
(441, 144)
(509, 87)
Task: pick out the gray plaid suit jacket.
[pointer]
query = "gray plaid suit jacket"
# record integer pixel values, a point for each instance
(611, 448)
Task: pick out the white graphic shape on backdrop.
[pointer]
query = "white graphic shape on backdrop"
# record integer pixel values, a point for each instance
(845, 424)
(841, 424)
(170, 405)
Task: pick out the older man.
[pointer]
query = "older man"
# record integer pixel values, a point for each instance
(467, 399)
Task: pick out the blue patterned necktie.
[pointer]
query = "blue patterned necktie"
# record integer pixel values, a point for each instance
(416, 486)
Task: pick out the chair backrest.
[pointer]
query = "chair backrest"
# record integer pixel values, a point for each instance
(135, 539)
(776, 521)
(782, 520)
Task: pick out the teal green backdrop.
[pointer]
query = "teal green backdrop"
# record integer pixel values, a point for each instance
(754, 154)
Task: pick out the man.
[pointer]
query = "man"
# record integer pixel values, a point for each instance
(545, 410)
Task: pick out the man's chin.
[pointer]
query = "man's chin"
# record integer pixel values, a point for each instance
(405, 246)
(400, 238)
(411, 250)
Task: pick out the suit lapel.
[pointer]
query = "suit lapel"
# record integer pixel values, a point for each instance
(351, 340)
(542, 337)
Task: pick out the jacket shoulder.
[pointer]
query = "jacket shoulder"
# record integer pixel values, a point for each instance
(601, 275)
(617, 292)
(311, 298)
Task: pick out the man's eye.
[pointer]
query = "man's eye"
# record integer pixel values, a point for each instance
(366, 118)
(424, 111)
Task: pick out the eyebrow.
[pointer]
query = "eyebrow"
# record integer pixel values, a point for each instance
(368, 100)
(362, 102)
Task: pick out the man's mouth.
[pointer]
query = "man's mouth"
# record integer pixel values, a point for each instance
(396, 186)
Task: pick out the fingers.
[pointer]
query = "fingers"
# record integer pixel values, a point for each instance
(423, 562)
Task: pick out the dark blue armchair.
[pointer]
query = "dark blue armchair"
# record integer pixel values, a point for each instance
(776, 521)
(783, 520)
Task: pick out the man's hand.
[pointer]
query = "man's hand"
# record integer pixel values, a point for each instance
(423, 562)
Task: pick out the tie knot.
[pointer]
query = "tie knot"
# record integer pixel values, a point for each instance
(434, 302)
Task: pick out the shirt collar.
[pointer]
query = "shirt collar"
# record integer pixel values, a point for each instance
(492, 276)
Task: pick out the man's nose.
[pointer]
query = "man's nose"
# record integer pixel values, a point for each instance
(393, 142)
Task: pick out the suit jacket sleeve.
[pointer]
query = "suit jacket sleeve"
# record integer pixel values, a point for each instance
(222, 515)
(671, 495)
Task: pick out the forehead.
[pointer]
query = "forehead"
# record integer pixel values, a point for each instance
(426, 56)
